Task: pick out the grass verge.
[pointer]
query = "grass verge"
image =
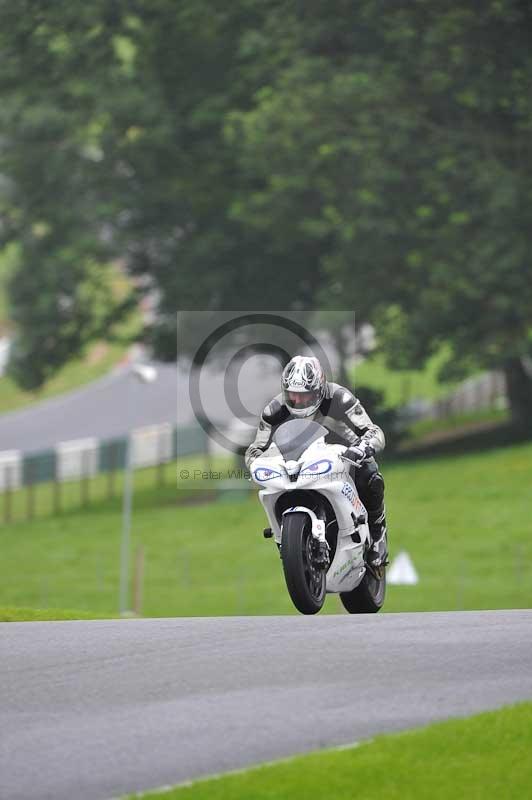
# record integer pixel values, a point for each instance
(46, 614)
(485, 757)
(463, 520)
(154, 486)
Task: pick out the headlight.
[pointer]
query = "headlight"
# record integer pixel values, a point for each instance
(265, 474)
(318, 468)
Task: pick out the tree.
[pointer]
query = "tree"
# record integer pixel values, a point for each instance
(57, 121)
(410, 166)
(114, 148)
(277, 155)
(468, 255)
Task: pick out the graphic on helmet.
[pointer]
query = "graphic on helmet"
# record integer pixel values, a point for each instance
(303, 385)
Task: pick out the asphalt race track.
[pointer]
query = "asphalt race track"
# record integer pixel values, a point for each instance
(99, 709)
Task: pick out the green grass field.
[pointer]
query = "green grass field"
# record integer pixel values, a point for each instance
(47, 614)
(464, 520)
(154, 486)
(485, 757)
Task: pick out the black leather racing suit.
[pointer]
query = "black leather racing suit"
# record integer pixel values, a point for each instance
(348, 423)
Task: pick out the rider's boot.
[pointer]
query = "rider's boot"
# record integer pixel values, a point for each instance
(378, 552)
(370, 485)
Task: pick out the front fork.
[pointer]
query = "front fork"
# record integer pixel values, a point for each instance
(319, 545)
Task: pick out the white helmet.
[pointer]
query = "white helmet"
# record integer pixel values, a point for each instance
(303, 384)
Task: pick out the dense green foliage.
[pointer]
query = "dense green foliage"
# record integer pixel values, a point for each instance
(364, 155)
(484, 757)
(470, 545)
(99, 359)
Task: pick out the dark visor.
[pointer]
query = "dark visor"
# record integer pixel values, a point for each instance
(301, 399)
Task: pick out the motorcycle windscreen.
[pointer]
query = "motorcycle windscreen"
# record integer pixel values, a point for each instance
(293, 437)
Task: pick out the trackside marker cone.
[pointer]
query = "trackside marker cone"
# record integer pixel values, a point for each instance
(402, 571)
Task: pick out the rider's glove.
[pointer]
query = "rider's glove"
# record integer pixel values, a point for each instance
(358, 453)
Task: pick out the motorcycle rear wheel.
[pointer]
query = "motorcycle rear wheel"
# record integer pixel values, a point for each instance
(305, 582)
(367, 597)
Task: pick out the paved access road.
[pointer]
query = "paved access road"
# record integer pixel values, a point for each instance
(97, 709)
(115, 404)
(230, 390)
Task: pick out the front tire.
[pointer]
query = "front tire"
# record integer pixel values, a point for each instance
(368, 596)
(305, 582)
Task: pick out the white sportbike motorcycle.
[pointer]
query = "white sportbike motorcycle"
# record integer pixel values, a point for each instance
(317, 519)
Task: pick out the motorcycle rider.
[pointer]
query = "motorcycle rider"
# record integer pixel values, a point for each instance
(306, 392)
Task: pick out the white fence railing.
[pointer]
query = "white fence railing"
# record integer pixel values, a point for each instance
(10, 470)
(76, 459)
(151, 445)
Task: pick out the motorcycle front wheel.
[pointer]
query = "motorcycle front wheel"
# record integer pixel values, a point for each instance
(305, 582)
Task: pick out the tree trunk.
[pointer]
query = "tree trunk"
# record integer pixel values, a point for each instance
(519, 393)
(343, 377)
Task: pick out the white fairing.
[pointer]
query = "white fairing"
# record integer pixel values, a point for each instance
(330, 477)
